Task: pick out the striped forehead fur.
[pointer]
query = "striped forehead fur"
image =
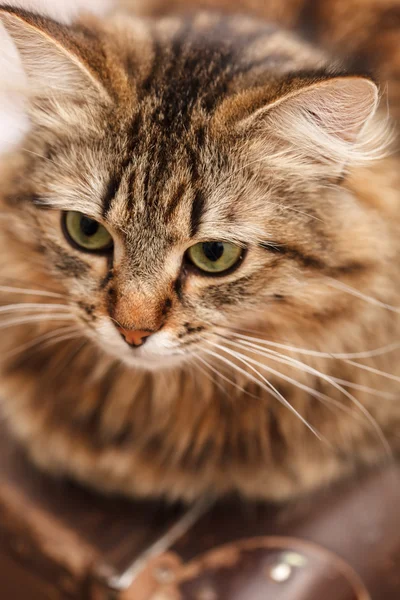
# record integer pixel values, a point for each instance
(221, 57)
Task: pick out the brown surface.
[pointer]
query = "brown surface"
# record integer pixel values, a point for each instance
(59, 542)
(359, 522)
(250, 570)
(62, 533)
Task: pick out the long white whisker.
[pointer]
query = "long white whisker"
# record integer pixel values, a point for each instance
(338, 356)
(31, 307)
(272, 355)
(354, 292)
(324, 398)
(252, 344)
(316, 353)
(28, 292)
(35, 319)
(230, 381)
(373, 370)
(267, 385)
(365, 389)
(64, 338)
(208, 375)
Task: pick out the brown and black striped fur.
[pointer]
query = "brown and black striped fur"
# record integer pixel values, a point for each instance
(171, 133)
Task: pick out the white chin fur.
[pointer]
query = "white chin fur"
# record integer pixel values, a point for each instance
(151, 363)
(159, 351)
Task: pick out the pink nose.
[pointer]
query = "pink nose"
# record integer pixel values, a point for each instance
(134, 337)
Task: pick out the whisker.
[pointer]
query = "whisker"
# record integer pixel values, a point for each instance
(316, 353)
(365, 389)
(272, 355)
(30, 307)
(224, 378)
(209, 376)
(115, 321)
(247, 343)
(339, 356)
(64, 338)
(35, 319)
(28, 292)
(324, 398)
(356, 293)
(373, 370)
(267, 385)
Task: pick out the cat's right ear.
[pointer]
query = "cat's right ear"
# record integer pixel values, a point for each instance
(47, 55)
(316, 126)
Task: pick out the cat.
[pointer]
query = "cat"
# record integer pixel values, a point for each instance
(200, 244)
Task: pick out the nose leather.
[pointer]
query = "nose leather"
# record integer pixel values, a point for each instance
(134, 337)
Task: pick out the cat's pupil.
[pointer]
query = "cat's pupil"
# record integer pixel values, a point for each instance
(213, 250)
(89, 227)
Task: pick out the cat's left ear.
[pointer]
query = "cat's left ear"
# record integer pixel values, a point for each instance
(312, 125)
(41, 58)
(52, 57)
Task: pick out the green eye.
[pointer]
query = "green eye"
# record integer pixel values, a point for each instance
(85, 233)
(215, 257)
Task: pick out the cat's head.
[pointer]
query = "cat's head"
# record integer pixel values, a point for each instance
(181, 178)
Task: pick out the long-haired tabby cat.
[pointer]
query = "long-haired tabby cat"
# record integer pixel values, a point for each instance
(199, 237)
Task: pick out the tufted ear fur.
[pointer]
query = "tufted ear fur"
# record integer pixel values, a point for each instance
(52, 57)
(321, 126)
(39, 57)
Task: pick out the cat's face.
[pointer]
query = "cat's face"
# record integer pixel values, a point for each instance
(185, 200)
(167, 249)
